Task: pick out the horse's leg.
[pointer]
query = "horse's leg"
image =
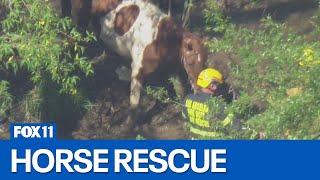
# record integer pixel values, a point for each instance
(81, 13)
(66, 8)
(135, 91)
(181, 83)
(95, 20)
(136, 86)
(179, 86)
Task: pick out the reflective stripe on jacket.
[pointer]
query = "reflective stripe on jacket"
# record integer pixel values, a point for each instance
(195, 112)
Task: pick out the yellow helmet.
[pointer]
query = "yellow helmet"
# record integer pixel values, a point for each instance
(206, 76)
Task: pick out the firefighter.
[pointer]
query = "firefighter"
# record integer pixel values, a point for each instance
(196, 108)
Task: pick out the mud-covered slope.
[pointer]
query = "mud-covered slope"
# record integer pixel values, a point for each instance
(107, 118)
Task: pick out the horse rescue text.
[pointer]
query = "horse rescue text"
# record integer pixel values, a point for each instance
(136, 161)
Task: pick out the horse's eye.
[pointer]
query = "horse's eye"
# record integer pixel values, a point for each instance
(190, 47)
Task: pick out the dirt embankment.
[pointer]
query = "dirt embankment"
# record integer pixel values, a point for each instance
(110, 97)
(107, 119)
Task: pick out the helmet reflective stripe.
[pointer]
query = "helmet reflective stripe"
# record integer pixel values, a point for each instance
(206, 77)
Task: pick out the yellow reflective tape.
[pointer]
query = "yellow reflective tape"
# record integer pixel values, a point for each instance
(203, 133)
(227, 120)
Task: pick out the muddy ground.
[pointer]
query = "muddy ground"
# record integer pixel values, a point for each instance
(109, 91)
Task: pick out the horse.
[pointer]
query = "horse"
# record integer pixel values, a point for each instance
(140, 31)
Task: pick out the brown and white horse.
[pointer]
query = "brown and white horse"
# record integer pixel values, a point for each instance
(138, 30)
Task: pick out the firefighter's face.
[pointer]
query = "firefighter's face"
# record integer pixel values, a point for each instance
(213, 86)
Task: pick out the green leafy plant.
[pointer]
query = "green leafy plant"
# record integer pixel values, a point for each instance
(5, 97)
(278, 76)
(35, 40)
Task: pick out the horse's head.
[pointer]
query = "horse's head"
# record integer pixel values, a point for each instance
(193, 56)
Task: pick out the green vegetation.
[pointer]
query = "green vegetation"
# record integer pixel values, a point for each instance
(42, 46)
(5, 97)
(277, 74)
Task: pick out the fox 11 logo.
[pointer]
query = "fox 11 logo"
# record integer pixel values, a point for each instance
(33, 131)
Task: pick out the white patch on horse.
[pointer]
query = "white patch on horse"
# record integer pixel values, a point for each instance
(133, 43)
